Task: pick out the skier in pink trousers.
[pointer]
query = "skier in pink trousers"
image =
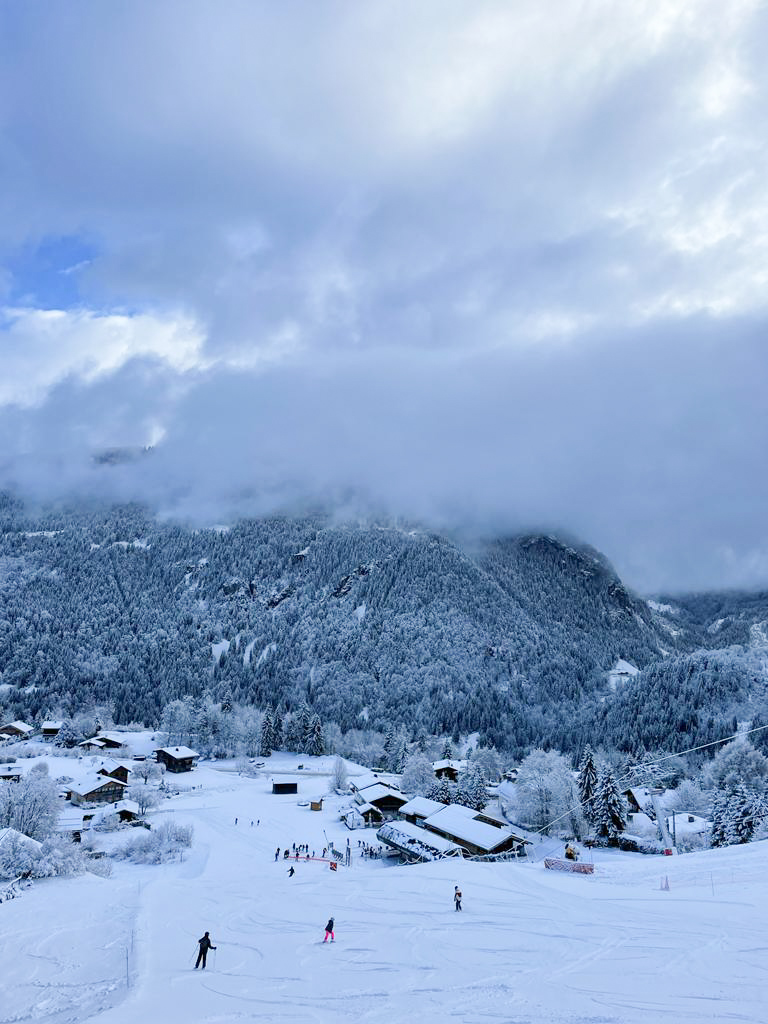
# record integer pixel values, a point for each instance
(329, 930)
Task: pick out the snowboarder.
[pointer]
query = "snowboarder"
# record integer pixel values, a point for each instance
(205, 944)
(457, 897)
(291, 871)
(329, 930)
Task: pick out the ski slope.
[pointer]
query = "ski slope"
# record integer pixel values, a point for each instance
(531, 946)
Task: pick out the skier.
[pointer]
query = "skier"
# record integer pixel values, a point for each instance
(204, 944)
(329, 930)
(235, 820)
(277, 853)
(291, 871)
(457, 897)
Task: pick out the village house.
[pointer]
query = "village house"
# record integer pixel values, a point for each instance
(114, 770)
(386, 799)
(50, 730)
(177, 759)
(92, 744)
(73, 823)
(112, 740)
(96, 789)
(10, 773)
(362, 815)
(448, 769)
(16, 731)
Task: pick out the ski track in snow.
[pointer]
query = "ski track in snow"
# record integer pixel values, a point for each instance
(530, 946)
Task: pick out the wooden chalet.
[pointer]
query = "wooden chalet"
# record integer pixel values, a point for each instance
(460, 825)
(448, 769)
(96, 789)
(16, 731)
(177, 759)
(112, 740)
(50, 730)
(114, 770)
(10, 773)
(385, 798)
(93, 744)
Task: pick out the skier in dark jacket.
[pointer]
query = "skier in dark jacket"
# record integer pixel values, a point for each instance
(329, 930)
(205, 944)
(291, 871)
(457, 897)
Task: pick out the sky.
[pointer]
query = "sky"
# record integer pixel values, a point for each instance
(487, 265)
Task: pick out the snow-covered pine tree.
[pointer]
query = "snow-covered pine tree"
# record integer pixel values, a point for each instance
(447, 754)
(587, 783)
(610, 810)
(277, 730)
(470, 789)
(740, 820)
(316, 742)
(265, 746)
(719, 820)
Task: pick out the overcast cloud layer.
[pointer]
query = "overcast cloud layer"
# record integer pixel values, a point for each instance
(485, 264)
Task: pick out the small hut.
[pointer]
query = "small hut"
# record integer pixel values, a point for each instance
(285, 788)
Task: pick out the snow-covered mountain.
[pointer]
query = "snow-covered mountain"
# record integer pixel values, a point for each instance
(511, 638)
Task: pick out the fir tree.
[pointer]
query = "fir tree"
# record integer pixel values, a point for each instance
(315, 742)
(265, 745)
(470, 789)
(447, 754)
(587, 783)
(611, 813)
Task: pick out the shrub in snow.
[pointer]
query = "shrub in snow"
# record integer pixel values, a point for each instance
(99, 866)
(738, 763)
(30, 805)
(59, 856)
(18, 855)
(690, 797)
(166, 842)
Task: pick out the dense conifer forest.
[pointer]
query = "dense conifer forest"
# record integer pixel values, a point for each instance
(371, 626)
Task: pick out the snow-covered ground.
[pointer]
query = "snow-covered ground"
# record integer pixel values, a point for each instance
(530, 945)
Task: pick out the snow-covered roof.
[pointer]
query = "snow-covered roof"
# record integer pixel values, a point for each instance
(454, 820)
(109, 764)
(127, 805)
(72, 821)
(181, 753)
(52, 725)
(458, 766)
(18, 727)
(92, 743)
(378, 791)
(416, 840)
(10, 770)
(93, 782)
(115, 737)
(7, 834)
(421, 807)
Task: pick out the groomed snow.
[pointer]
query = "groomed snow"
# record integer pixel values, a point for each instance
(530, 947)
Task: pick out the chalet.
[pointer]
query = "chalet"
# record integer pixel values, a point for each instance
(124, 810)
(385, 798)
(96, 789)
(50, 730)
(112, 740)
(419, 809)
(637, 798)
(448, 769)
(92, 744)
(114, 770)
(285, 788)
(177, 759)
(361, 815)
(16, 731)
(10, 773)
(459, 824)
(415, 842)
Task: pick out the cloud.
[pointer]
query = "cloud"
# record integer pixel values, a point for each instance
(39, 348)
(481, 264)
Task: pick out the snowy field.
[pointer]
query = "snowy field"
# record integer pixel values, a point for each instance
(530, 945)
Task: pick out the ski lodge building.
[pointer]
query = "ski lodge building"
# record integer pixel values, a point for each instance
(428, 825)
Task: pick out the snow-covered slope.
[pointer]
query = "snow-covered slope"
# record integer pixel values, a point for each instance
(530, 945)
